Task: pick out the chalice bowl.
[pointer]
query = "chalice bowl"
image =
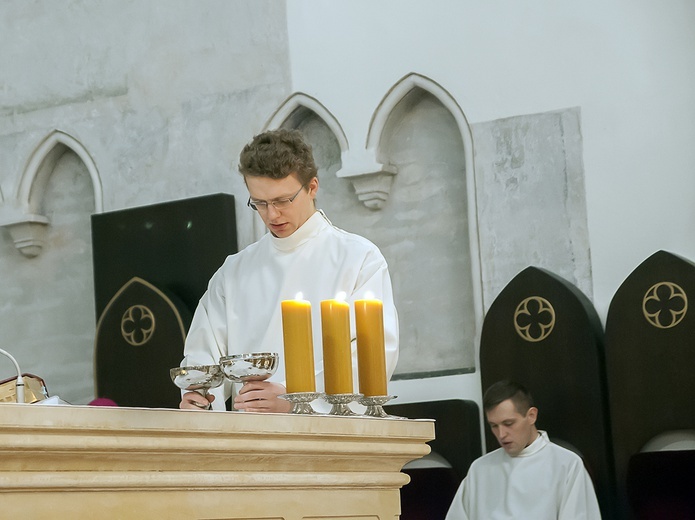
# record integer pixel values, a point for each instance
(255, 366)
(198, 378)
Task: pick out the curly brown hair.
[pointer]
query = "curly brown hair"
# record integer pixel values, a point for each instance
(276, 154)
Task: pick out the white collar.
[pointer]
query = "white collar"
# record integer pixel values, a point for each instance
(537, 445)
(312, 227)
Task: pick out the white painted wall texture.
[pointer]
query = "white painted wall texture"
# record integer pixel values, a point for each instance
(164, 94)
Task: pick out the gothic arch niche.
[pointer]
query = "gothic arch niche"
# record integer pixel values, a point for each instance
(57, 285)
(424, 230)
(41, 165)
(23, 217)
(299, 107)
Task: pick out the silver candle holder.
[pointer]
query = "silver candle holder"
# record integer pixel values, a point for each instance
(374, 404)
(340, 403)
(301, 402)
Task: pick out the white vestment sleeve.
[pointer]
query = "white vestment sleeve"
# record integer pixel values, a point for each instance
(206, 335)
(579, 499)
(457, 510)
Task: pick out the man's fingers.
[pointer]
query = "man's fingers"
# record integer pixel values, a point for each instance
(193, 401)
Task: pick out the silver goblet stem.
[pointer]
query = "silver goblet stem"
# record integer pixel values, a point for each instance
(204, 392)
(198, 378)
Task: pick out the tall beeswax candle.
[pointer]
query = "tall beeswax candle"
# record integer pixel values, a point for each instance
(299, 346)
(337, 356)
(371, 354)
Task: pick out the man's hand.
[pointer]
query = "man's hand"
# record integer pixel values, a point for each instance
(262, 396)
(195, 401)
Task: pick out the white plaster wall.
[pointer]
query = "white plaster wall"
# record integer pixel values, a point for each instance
(162, 95)
(628, 65)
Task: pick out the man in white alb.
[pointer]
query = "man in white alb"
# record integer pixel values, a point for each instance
(529, 477)
(304, 253)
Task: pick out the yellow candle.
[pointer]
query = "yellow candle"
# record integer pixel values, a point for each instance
(337, 357)
(299, 348)
(371, 354)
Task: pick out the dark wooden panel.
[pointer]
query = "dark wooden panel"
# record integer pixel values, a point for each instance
(650, 355)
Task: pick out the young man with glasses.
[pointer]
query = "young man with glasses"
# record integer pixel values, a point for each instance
(303, 253)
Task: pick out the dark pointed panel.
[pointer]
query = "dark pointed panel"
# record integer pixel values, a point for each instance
(544, 333)
(174, 248)
(139, 337)
(650, 356)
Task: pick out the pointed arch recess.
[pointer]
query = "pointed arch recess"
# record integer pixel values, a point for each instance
(21, 216)
(380, 117)
(300, 100)
(41, 163)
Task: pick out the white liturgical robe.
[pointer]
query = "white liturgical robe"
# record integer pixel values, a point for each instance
(543, 482)
(240, 312)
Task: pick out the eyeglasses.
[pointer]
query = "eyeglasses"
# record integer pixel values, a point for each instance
(262, 205)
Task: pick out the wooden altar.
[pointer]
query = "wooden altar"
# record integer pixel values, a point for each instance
(127, 463)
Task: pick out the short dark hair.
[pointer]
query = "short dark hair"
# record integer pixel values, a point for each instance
(503, 390)
(276, 154)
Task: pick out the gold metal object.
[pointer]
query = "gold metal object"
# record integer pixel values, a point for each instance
(34, 389)
(534, 319)
(664, 305)
(137, 325)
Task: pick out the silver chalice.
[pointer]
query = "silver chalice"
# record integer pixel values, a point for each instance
(198, 378)
(255, 366)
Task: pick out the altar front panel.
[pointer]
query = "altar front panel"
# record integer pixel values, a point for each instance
(117, 463)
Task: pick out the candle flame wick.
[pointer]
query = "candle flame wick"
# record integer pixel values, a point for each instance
(341, 296)
(299, 296)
